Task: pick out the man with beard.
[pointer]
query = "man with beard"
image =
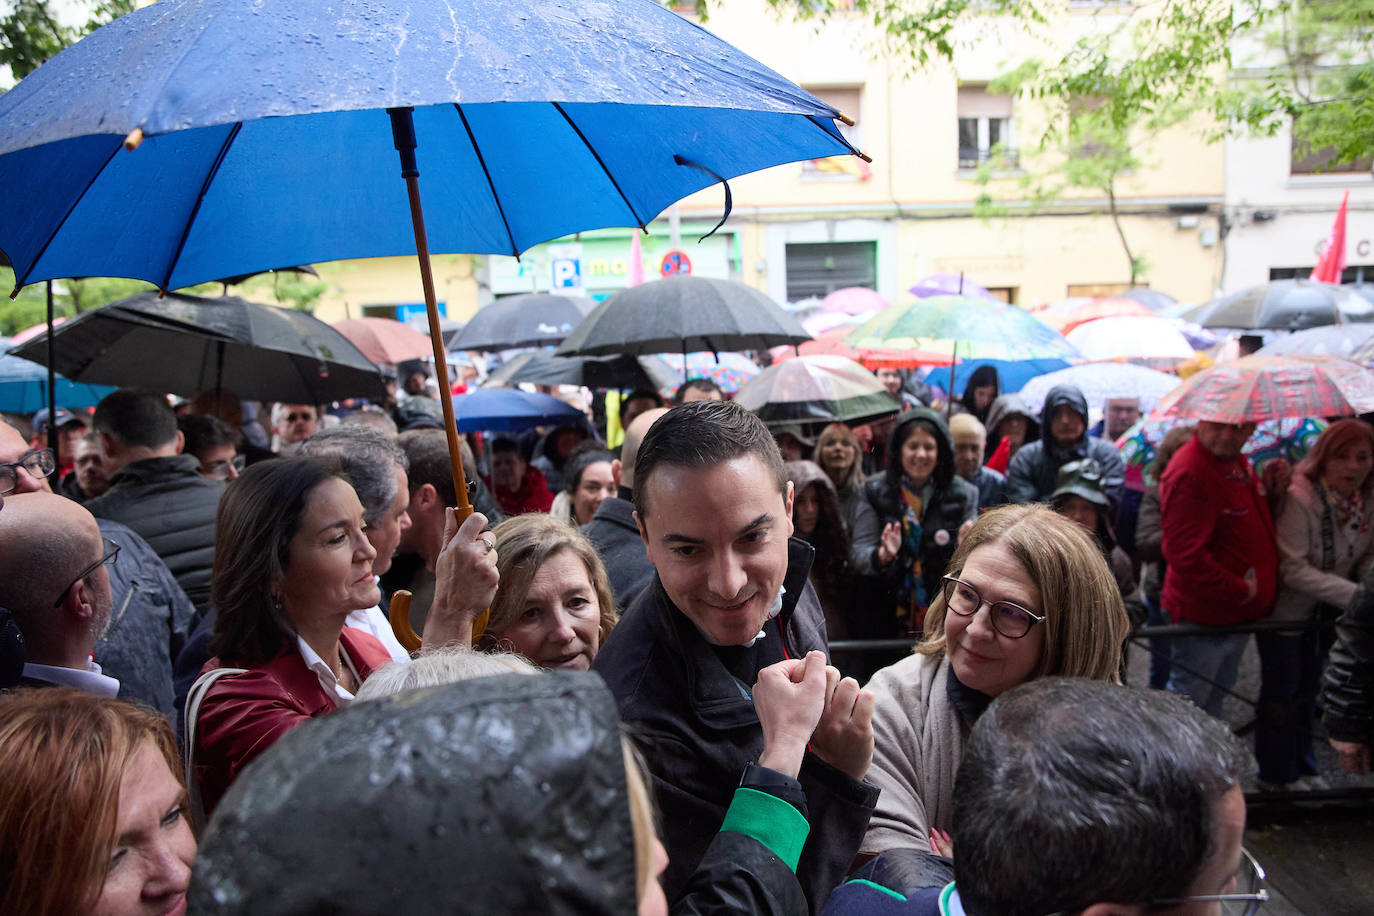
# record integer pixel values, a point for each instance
(53, 580)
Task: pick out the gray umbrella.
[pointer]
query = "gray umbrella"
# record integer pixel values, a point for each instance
(188, 344)
(543, 368)
(528, 320)
(1284, 305)
(682, 315)
(1152, 299)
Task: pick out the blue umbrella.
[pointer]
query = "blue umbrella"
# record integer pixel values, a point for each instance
(197, 139)
(24, 386)
(500, 409)
(1012, 375)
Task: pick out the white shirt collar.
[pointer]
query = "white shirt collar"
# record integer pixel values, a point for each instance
(88, 679)
(322, 671)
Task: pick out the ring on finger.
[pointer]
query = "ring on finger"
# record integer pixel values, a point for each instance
(488, 543)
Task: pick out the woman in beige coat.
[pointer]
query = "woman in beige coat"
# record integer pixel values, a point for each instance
(1027, 595)
(1326, 539)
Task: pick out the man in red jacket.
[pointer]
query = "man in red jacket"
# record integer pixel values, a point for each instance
(1218, 542)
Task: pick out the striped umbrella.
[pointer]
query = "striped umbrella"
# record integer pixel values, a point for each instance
(1269, 387)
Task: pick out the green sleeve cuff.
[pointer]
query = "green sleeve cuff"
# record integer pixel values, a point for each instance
(771, 821)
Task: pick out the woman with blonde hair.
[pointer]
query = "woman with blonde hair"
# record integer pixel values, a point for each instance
(554, 604)
(1325, 538)
(92, 808)
(1027, 595)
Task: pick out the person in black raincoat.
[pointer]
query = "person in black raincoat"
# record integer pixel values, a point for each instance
(1034, 469)
(503, 794)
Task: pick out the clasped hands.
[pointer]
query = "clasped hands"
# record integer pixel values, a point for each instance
(803, 701)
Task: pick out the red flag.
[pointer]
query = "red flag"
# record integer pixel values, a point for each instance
(1332, 261)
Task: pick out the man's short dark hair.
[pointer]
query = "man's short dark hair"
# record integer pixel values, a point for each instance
(704, 434)
(504, 444)
(643, 394)
(369, 458)
(427, 452)
(697, 384)
(203, 431)
(1066, 779)
(136, 418)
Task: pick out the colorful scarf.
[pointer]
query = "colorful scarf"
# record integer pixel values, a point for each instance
(911, 595)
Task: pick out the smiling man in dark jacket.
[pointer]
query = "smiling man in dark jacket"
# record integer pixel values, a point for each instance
(1063, 438)
(730, 597)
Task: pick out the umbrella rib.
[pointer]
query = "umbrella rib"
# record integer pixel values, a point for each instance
(866, 158)
(200, 198)
(491, 185)
(19, 281)
(597, 156)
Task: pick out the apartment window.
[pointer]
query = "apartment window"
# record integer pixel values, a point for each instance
(818, 269)
(1357, 273)
(847, 100)
(985, 126)
(1305, 160)
(1095, 290)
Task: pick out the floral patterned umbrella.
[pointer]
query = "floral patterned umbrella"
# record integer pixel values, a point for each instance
(729, 371)
(1290, 439)
(1272, 387)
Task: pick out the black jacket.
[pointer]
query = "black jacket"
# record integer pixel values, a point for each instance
(616, 537)
(170, 505)
(1348, 687)
(1034, 468)
(149, 625)
(697, 728)
(953, 501)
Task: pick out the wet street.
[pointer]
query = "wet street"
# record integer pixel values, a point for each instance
(1319, 854)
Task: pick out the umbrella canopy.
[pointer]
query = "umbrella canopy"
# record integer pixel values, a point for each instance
(854, 300)
(1290, 439)
(544, 117)
(1269, 387)
(822, 322)
(1012, 375)
(1096, 310)
(1152, 299)
(528, 320)
(448, 327)
(543, 368)
(946, 284)
(1330, 340)
(982, 329)
(1100, 381)
(728, 370)
(682, 314)
(24, 386)
(384, 340)
(1284, 305)
(833, 343)
(505, 409)
(188, 344)
(1130, 338)
(817, 389)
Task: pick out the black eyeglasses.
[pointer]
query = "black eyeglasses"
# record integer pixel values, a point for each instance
(1252, 876)
(1011, 620)
(111, 551)
(293, 417)
(39, 463)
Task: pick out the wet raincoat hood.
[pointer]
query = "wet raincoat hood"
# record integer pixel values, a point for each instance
(497, 795)
(1010, 405)
(1063, 394)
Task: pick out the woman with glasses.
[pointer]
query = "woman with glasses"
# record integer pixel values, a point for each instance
(1027, 595)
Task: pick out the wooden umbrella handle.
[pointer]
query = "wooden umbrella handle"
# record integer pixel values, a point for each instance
(399, 615)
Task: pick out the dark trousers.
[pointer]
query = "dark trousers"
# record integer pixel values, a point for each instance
(1290, 673)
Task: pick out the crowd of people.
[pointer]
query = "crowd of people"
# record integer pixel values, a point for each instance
(623, 696)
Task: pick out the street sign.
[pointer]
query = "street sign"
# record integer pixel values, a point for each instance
(675, 263)
(567, 273)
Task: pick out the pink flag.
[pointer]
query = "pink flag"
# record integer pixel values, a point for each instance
(1332, 261)
(636, 276)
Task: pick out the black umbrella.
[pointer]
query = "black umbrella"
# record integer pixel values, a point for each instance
(681, 315)
(1283, 305)
(543, 368)
(528, 320)
(188, 344)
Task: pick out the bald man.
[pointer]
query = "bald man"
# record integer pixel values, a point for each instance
(152, 615)
(54, 581)
(613, 529)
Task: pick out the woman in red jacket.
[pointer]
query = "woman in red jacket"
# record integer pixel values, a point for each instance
(292, 561)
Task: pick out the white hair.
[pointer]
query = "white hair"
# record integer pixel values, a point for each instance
(437, 667)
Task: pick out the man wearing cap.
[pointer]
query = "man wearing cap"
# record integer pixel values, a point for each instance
(1079, 495)
(70, 429)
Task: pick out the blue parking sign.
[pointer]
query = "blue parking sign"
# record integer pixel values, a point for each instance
(567, 273)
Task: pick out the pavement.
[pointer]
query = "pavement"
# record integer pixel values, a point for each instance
(1318, 851)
